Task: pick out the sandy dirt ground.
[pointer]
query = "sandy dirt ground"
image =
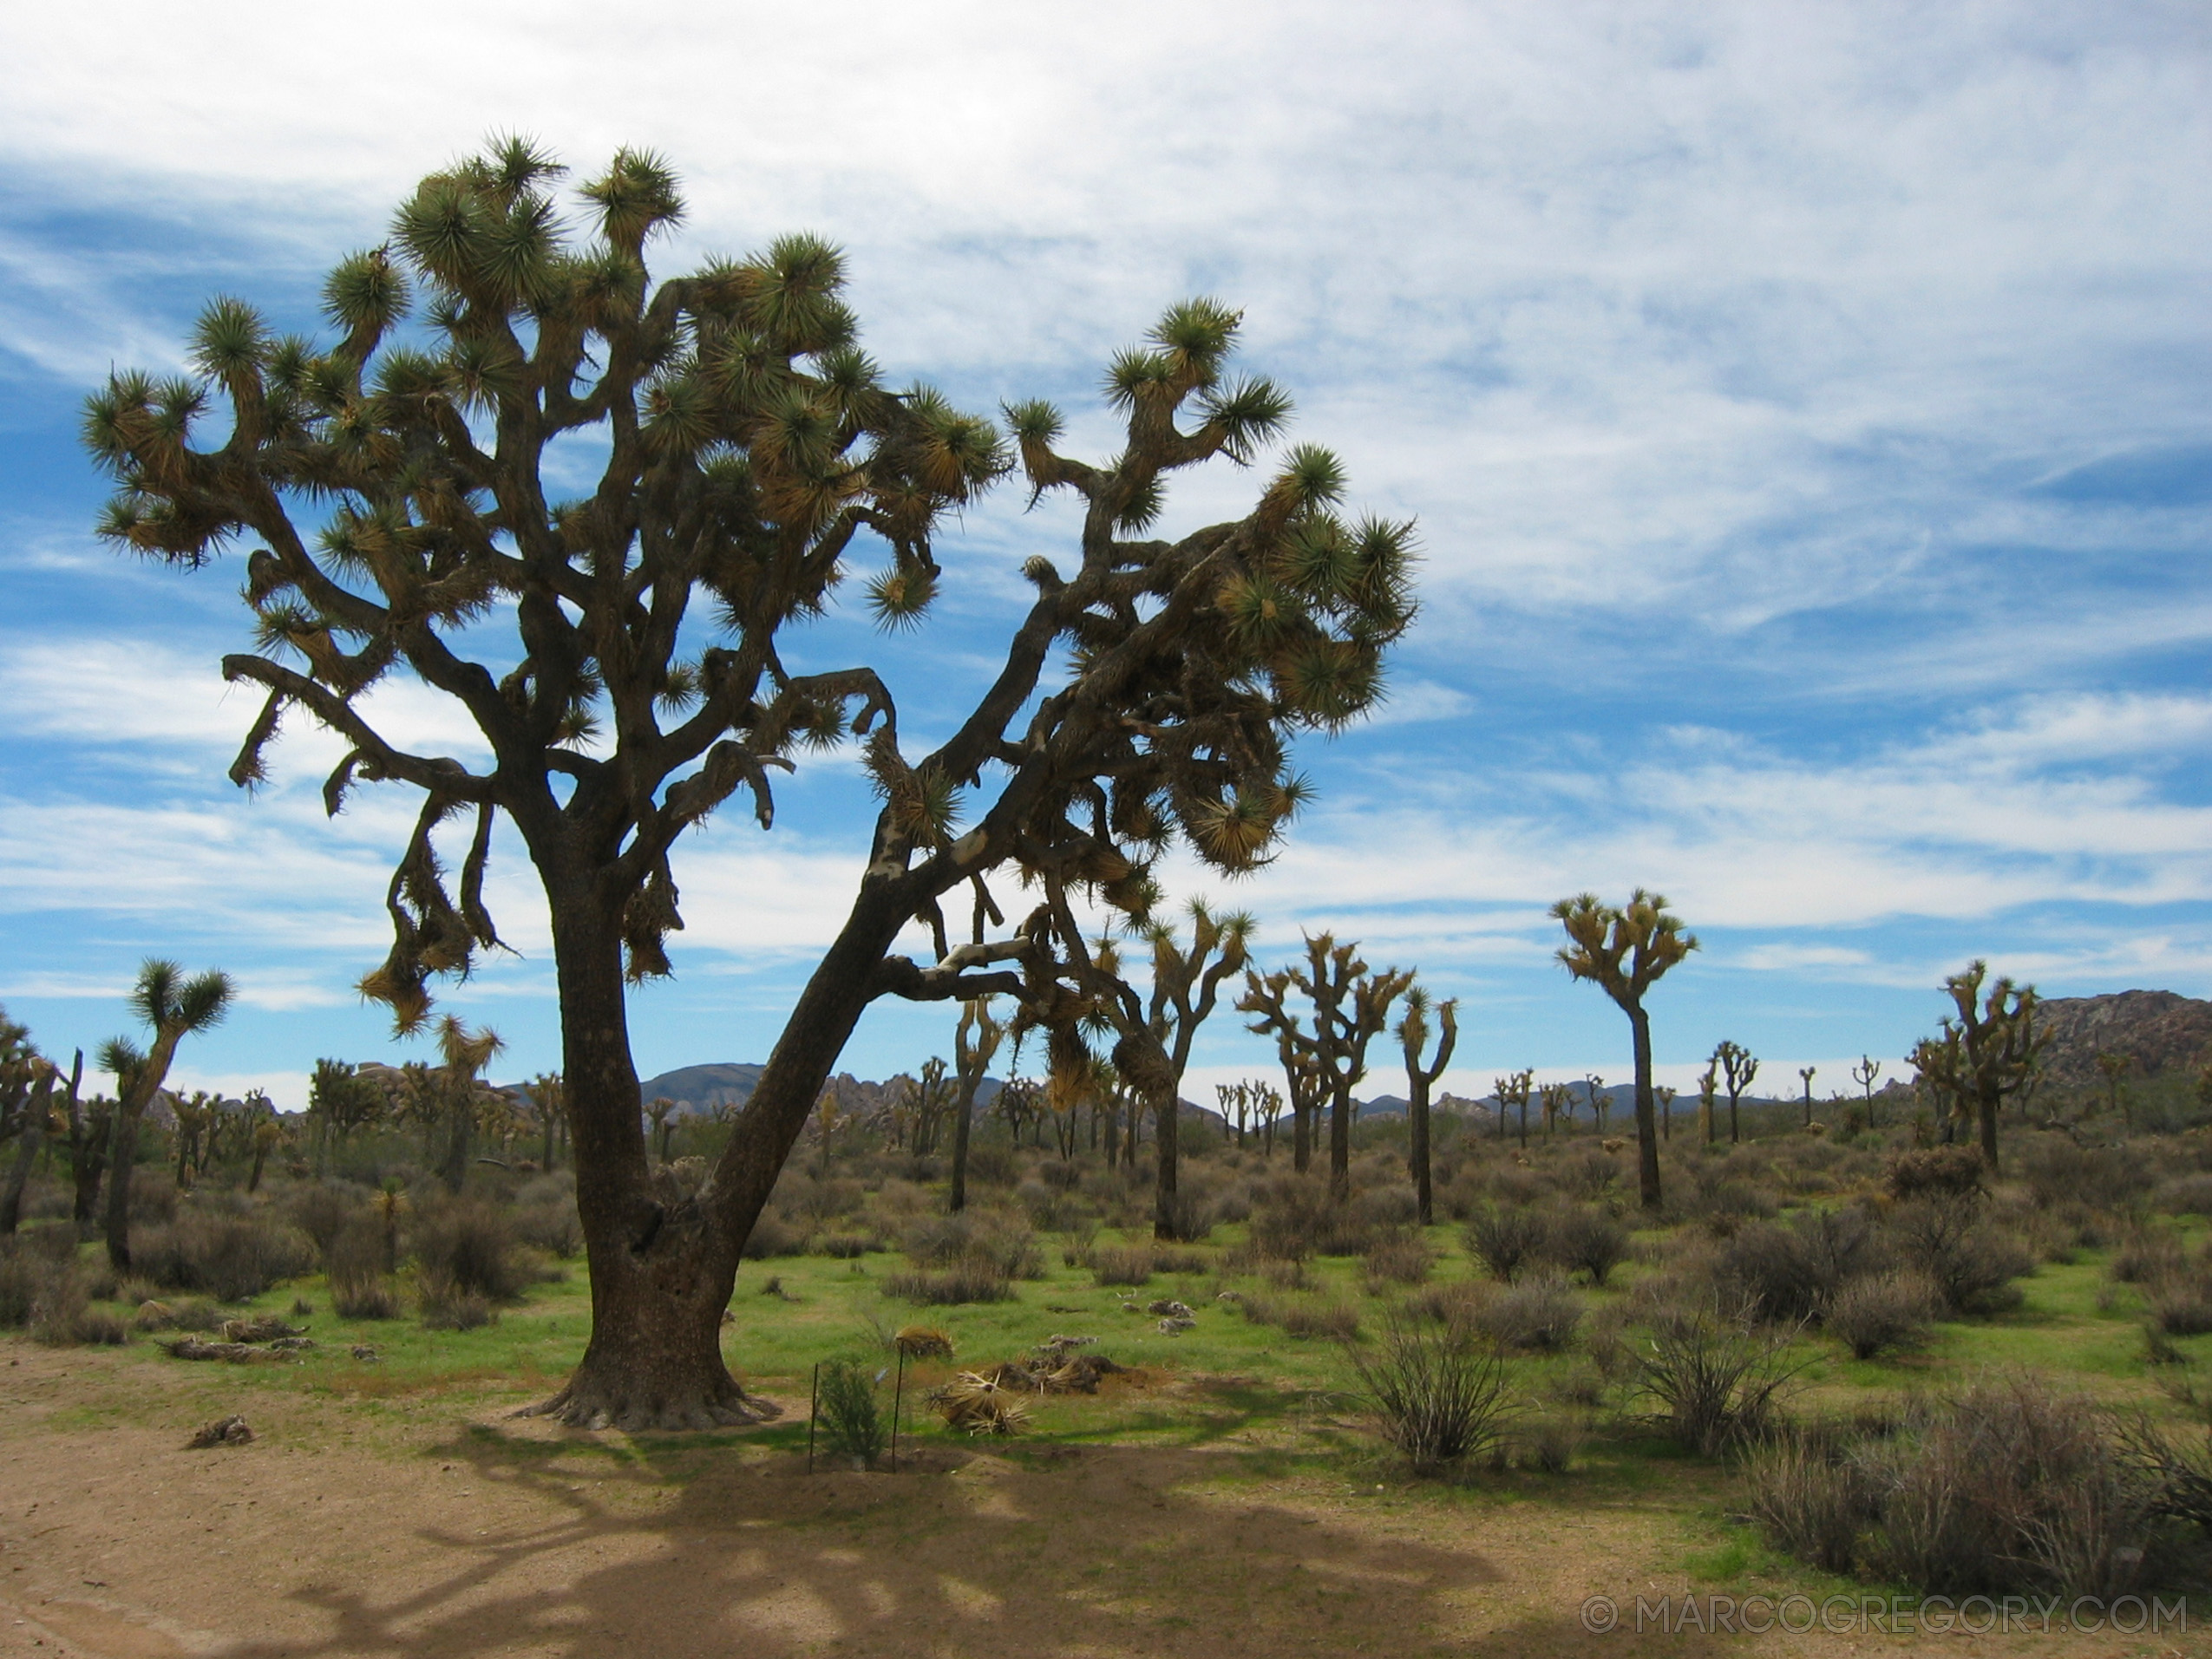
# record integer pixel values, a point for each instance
(434, 1531)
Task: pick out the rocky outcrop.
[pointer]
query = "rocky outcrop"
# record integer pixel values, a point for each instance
(2159, 1030)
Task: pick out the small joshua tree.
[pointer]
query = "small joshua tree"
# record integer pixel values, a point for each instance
(175, 1007)
(1805, 1076)
(1413, 1033)
(1514, 1091)
(1624, 952)
(1709, 1101)
(1865, 1075)
(1738, 1069)
(1665, 1097)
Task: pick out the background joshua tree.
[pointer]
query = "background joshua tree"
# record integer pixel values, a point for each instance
(1554, 1098)
(1709, 1101)
(1413, 1035)
(38, 1114)
(1082, 986)
(2114, 1068)
(1624, 952)
(1738, 1067)
(174, 1007)
(1294, 1052)
(1805, 1076)
(1986, 1050)
(1600, 1103)
(549, 1107)
(974, 1042)
(394, 495)
(661, 1114)
(1864, 1074)
(1514, 1091)
(1665, 1096)
(1350, 1006)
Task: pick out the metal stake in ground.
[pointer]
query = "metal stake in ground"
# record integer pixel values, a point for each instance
(813, 1406)
(898, 1400)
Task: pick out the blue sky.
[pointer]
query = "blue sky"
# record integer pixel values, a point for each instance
(1806, 409)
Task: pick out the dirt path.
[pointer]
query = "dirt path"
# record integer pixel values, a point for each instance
(340, 1533)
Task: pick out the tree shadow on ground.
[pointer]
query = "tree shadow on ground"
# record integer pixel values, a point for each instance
(1090, 1551)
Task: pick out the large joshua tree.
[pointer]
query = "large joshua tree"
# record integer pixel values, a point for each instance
(1624, 952)
(174, 1008)
(619, 650)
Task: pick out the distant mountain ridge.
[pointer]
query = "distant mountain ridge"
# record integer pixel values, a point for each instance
(698, 1090)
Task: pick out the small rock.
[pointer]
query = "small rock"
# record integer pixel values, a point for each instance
(1172, 1309)
(364, 1351)
(224, 1431)
(1173, 1326)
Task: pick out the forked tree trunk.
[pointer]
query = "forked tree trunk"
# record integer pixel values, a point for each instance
(664, 1264)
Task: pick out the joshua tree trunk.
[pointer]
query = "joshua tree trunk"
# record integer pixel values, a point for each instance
(1647, 1160)
(89, 1132)
(1301, 1135)
(1340, 1143)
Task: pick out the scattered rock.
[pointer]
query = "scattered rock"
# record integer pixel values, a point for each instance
(1171, 1308)
(291, 1344)
(364, 1351)
(224, 1431)
(1173, 1326)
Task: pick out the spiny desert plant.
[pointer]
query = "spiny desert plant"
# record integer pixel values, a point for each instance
(1437, 1392)
(1714, 1377)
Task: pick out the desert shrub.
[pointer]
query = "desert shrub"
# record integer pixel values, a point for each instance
(1937, 1172)
(844, 1246)
(1811, 1497)
(772, 1235)
(1715, 1376)
(466, 1248)
(2144, 1254)
(189, 1313)
(1065, 1177)
(321, 1210)
(991, 1165)
(1590, 1175)
(1296, 1217)
(1972, 1264)
(58, 1307)
(1437, 1394)
(1181, 1263)
(231, 1258)
(1879, 1313)
(850, 1423)
(1391, 1204)
(1506, 1238)
(966, 1281)
(2186, 1195)
(2181, 1302)
(372, 1297)
(24, 1274)
(1399, 1258)
(2008, 1486)
(1791, 1271)
(1300, 1318)
(1121, 1264)
(1539, 1313)
(1004, 1247)
(1585, 1240)
(444, 1306)
(152, 1203)
(551, 1224)
(1454, 1303)
(2056, 1170)
(1548, 1445)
